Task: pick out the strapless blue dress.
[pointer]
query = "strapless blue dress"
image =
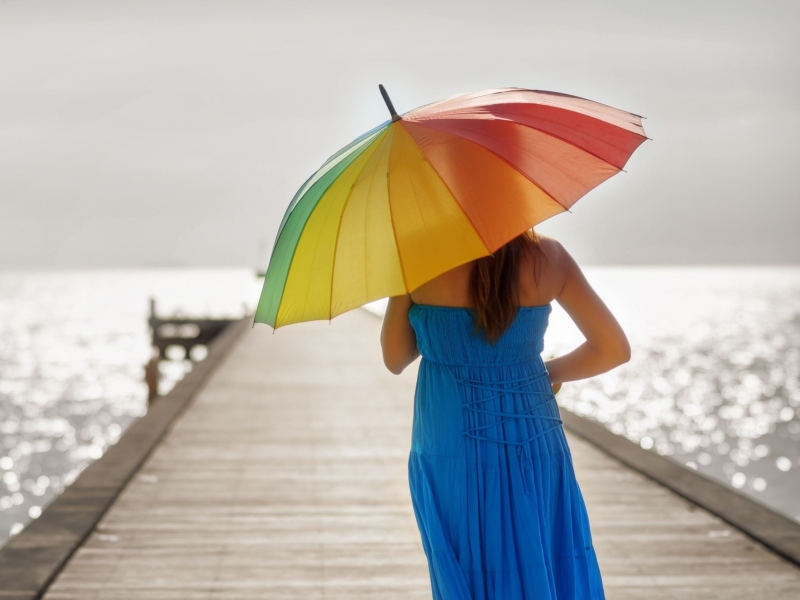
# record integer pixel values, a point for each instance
(492, 483)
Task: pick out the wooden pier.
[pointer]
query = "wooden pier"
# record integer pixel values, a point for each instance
(286, 478)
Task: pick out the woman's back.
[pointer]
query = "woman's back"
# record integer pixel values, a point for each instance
(541, 277)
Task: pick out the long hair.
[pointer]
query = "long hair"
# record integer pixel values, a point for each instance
(494, 285)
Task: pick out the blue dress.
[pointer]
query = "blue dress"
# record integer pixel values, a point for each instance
(492, 484)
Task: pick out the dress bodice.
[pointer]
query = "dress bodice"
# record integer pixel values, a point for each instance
(445, 335)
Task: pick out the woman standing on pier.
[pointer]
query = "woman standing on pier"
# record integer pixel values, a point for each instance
(498, 506)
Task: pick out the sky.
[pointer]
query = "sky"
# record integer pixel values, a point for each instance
(171, 133)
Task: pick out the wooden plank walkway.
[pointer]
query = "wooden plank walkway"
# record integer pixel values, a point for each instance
(287, 479)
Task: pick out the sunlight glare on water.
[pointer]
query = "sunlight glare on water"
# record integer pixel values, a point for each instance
(72, 350)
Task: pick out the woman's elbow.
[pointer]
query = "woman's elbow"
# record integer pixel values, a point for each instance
(622, 353)
(395, 363)
(615, 353)
(394, 367)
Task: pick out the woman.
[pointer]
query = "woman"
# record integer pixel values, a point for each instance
(492, 484)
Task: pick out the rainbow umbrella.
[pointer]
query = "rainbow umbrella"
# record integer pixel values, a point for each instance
(437, 187)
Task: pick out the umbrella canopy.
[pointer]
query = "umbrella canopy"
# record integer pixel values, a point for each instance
(440, 186)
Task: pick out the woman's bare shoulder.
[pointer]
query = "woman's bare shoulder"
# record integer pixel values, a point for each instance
(560, 265)
(554, 251)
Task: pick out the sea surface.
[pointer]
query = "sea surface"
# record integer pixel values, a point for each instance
(73, 345)
(714, 381)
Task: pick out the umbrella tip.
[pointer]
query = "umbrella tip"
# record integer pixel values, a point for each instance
(389, 105)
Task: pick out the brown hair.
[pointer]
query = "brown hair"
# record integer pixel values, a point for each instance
(494, 285)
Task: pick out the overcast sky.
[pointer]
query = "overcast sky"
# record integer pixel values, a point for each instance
(176, 133)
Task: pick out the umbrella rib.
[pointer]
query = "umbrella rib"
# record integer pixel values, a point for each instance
(357, 145)
(531, 179)
(455, 117)
(558, 137)
(489, 150)
(391, 218)
(352, 157)
(461, 208)
(591, 112)
(452, 195)
(380, 139)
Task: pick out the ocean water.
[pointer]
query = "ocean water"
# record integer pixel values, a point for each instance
(714, 381)
(73, 345)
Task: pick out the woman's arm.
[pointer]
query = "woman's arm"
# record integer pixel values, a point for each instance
(398, 340)
(606, 345)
